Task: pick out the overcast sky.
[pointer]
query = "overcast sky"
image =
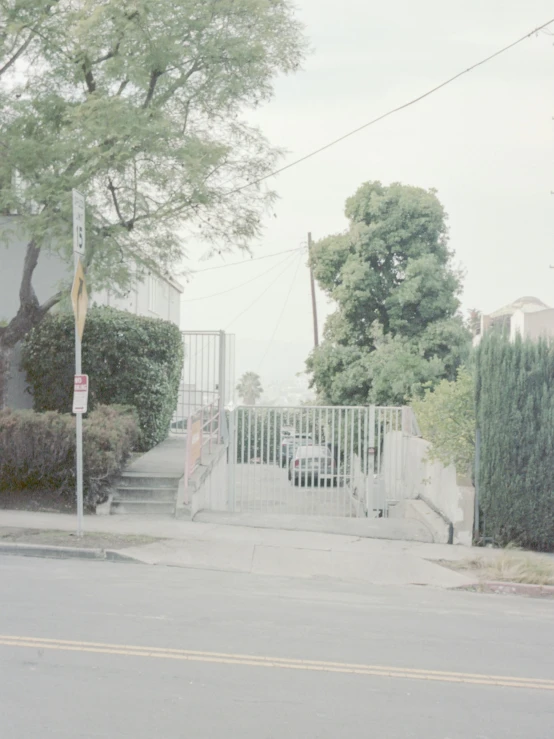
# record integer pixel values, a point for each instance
(486, 143)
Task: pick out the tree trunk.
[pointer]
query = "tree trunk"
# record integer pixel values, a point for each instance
(30, 313)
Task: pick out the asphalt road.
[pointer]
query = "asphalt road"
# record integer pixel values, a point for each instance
(126, 651)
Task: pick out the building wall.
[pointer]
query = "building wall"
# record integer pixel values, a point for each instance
(155, 297)
(47, 276)
(537, 325)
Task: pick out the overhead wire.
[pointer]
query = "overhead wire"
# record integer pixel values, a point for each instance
(237, 287)
(247, 261)
(287, 298)
(290, 260)
(391, 112)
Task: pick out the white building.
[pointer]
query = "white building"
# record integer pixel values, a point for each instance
(158, 296)
(529, 317)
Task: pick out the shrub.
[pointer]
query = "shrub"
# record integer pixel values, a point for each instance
(131, 360)
(37, 450)
(446, 417)
(515, 415)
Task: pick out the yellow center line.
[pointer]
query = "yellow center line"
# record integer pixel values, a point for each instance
(275, 662)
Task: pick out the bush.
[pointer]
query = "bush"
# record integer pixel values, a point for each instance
(131, 360)
(515, 415)
(446, 417)
(37, 450)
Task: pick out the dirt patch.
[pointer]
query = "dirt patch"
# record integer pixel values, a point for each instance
(511, 566)
(45, 501)
(90, 540)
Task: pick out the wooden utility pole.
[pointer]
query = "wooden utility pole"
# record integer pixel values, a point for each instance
(312, 283)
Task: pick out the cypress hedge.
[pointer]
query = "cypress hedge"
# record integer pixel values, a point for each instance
(131, 360)
(515, 414)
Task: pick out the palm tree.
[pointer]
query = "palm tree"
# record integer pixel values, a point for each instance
(250, 388)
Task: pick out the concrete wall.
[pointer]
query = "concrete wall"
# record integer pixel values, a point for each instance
(435, 484)
(207, 487)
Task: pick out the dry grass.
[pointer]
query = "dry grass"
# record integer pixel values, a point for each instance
(510, 565)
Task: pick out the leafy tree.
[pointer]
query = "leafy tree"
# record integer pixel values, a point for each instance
(396, 327)
(138, 104)
(250, 388)
(446, 417)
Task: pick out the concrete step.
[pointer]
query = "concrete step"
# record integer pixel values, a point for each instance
(143, 480)
(143, 507)
(145, 493)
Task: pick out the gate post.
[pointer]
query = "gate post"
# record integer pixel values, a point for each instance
(231, 461)
(221, 386)
(370, 463)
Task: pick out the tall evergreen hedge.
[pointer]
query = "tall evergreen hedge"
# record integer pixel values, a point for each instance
(131, 360)
(515, 414)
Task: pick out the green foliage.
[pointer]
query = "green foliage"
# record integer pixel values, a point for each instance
(446, 417)
(396, 328)
(515, 415)
(140, 105)
(130, 360)
(258, 435)
(37, 450)
(250, 388)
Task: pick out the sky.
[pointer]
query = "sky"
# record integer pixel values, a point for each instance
(485, 142)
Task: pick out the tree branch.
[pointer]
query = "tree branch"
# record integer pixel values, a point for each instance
(154, 77)
(111, 188)
(12, 60)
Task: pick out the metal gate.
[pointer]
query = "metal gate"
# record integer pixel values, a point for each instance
(316, 460)
(208, 377)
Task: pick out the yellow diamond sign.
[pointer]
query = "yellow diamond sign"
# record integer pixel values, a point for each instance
(79, 298)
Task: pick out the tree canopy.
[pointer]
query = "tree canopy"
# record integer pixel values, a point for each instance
(139, 105)
(396, 327)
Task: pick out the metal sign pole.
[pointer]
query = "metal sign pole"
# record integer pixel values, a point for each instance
(78, 251)
(79, 428)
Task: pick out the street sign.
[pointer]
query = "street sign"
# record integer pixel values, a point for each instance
(80, 394)
(79, 298)
(78, 223)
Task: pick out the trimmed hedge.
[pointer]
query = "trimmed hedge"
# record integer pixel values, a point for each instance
(37, 450)
(130, 360)
(515, 414)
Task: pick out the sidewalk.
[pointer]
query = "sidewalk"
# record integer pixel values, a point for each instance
(266, 551)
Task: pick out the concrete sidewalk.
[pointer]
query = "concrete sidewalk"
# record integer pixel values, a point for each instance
(267, 551)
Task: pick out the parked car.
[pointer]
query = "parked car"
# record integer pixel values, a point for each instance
(289, 445)
(312, 465)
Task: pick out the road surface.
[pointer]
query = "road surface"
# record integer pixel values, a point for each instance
(124, 651)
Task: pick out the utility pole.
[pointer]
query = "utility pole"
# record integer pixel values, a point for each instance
(312, 283)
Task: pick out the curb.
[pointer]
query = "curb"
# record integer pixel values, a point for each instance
(511, 588)
(39, 550)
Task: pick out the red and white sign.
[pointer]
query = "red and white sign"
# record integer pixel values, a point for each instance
(80, 394)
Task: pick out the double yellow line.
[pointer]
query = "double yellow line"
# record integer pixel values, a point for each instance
(246, 660)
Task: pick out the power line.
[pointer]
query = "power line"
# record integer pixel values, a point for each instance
(287, 298)
(247, 261)
(394, 110)
(236, 287)
(261, 295)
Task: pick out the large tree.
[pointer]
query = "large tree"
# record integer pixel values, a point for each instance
(138, 104)
(396, 328)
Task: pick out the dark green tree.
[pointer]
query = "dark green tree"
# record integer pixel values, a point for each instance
(515, 416)
(397, 326)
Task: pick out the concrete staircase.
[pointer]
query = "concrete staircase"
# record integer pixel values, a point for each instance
(146, 493)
